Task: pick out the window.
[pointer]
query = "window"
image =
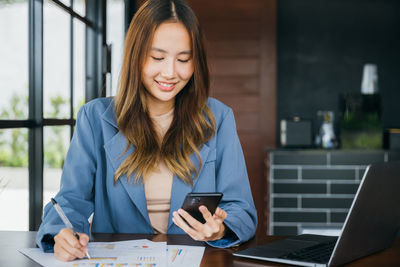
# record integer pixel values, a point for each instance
(50, 65)
(115, 37)
(56, 61)
(14, 179)
(14, 106)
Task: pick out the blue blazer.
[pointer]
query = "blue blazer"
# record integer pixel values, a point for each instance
(87, 182)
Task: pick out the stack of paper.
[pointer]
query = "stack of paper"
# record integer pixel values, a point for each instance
(144, 253)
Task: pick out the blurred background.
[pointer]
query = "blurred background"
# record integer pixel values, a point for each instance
(313, 85)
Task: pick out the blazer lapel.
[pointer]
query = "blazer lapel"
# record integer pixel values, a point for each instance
(114, 149)
(180, 188)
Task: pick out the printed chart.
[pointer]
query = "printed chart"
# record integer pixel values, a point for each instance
(183, 255)
(115, 264)
(139, 253)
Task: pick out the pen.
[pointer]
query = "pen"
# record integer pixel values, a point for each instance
(65, 220)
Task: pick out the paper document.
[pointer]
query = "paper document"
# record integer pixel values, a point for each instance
(144, 253)
(179, 256)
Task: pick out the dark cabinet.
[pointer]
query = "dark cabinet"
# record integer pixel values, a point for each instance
(311, 191)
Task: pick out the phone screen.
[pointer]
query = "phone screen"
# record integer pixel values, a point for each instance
(194, 200)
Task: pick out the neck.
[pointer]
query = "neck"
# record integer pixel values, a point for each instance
(156, 108)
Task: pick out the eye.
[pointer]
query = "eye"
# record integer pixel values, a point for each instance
(183, 60)
(157, 58)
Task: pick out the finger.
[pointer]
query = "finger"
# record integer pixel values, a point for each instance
(220, 214)
(190, 220)
(213, 223)
(182, 223)
(83, 239)
(75, 252)
(67, 235)
(73, 241)
(210, 227)
(61, 254)
(177, 219)
(68, 242)
(206, 214)
(218, 227)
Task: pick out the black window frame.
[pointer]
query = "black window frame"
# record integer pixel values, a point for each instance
(95, 73)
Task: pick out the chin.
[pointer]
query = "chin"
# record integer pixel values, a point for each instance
(165, 98)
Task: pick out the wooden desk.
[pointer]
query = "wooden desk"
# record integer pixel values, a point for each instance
(11, 241)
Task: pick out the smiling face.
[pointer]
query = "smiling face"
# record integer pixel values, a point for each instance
(168, 66)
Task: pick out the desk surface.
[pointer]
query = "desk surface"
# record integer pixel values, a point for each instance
(10, 241)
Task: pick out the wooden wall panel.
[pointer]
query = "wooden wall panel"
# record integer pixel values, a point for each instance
(241, 46)
(222, 10)
(246, 103)
(226, 48)
(239, 30)
(234, 66)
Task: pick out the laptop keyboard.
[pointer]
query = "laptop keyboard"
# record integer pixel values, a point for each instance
(320, 253)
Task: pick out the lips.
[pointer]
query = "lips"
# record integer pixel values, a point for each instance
(164, 86)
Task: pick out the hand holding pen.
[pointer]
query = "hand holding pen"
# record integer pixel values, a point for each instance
(69, 245)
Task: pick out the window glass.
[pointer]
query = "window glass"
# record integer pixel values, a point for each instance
(14, 60)
(56, 143)
(14, 179)
(80, 7)
(115, 37)
(66, 2)
(79, 65)
(56, 61)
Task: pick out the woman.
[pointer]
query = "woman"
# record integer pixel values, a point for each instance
(132, 160)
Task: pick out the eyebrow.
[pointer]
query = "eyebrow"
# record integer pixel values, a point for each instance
(185, 52)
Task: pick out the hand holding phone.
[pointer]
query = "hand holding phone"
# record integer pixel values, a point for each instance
(194, 200)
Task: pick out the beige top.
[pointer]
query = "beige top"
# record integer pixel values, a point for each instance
(158, 184)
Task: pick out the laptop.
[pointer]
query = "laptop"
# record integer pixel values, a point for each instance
(370, 226)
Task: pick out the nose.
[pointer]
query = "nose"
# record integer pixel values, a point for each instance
(168, 70)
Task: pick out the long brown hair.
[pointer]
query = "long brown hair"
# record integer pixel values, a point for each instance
(193, 123)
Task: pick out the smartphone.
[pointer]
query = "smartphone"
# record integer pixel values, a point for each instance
(194, 200)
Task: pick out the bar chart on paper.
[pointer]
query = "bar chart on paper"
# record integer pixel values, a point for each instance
(184, 255)
(139, 253)
(116, 264)
(176, 252)
(143, 253)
